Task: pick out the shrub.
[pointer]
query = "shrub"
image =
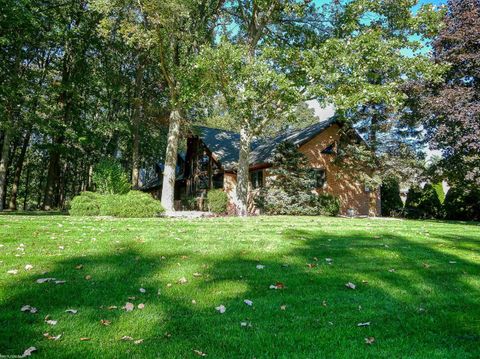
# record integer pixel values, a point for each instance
(462, 203)
(440, 192)
(390, 196)
(110, 178)
(423, 203)
(217, 201)
(134, 204)
(328, 205)
(86, 204)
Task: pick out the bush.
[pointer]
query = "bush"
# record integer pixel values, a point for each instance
(462, 203)
(440, 192)
(390, 196)
(328, 205)
(423, 203)
(217, 201)
(86, 204)
(110, 178)
(134, 204)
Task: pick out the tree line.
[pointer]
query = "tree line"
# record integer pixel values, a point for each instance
(91, 79)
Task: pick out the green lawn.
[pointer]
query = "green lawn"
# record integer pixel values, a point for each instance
(417, 283)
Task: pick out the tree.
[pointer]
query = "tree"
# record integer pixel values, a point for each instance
(375, 52)
(390, 195)
(256, 70)
(452, 108)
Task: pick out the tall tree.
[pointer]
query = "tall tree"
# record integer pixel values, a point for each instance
(452, 109)
(377, 48)
(256, 69)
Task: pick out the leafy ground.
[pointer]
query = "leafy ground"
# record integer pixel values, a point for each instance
(417, 284)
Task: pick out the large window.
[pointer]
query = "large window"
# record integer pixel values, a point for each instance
(319, 177)
(256, 178)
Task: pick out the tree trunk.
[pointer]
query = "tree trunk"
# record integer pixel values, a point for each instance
(50, 195)
(27, 185)
(168, 189)
(136, 116)
(18, 172)
(242, 173)
(3, 167)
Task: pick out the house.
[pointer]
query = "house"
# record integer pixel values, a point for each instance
(212, 154)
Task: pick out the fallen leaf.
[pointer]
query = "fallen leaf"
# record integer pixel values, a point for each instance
(51, 322)
(60, 281)
(369, 340)
(12, 271)
(28, 267)
(196, 274)
(28, 308)
(88, 277)
(199, 353)
(260, 266)
(311, 265)
(129, 307)
(105, 322)
(391, 270)
(315, 259)
(71, 311)
(221, 309)
(283, 307)
(61, 247)
(426, 265)
(138, 341)
(52, 337)
(29, 351)
(324, 303)
(45, 280)
(132, 298)
(141, 306)
(366, 324)
(80, 266)
(248, 302)
(194, 301)
(126, 338)
(112, 307)
(142, 290)
(350, 285)
(182, 280)
(85, 339)
(452, 262)
(329, 260)
(365, 281)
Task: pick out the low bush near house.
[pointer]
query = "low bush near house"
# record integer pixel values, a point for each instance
(462, 203)
(328, 205)
(134, 204)
(217, 201)
(86, 204)
(390, 194)
(423, 203)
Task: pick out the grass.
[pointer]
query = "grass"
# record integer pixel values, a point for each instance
(429, 306)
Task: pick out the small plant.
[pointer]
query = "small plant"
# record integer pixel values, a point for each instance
(462, 203)
(423, 203)
(328, 205)
(110, 178)
(135, 204)
(390, 195)
(86, 204)
(217, 201)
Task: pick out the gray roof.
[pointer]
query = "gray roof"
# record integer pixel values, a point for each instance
(225, 144)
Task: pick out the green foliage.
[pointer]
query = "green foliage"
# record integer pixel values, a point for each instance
(462, 203)
(423, 203)
(217, 201)
(440, 192)
(134, 204)
(110, 178)
(391, 201)
(86, 204)
(289, 191)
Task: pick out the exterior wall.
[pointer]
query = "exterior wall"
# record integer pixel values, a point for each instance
(230, 188)
(339, 182)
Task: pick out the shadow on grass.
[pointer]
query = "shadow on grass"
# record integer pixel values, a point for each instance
(426, 307)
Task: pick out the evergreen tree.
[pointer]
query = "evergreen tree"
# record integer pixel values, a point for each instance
(390, 195)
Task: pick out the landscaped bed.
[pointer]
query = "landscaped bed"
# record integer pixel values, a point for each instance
(281, 282)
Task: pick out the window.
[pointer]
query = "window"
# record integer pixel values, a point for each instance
(330, 150)
(319, 176)
(256, 178)
(217, 180)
